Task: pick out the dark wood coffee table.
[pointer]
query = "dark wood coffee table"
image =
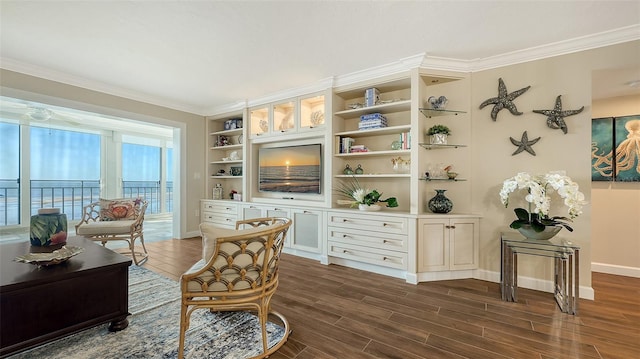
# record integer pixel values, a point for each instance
(40, 304)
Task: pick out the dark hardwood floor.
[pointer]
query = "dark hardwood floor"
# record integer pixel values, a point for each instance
(339, 312)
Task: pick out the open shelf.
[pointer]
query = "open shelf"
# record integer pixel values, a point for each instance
(373, 153)
(391, 106)
(375, 131)
(429, 112)
(429, 146)
(226, 162)
(443, 179)
(227, 147)
(376, 175)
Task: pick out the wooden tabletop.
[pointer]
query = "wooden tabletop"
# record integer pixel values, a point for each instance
(15, 275)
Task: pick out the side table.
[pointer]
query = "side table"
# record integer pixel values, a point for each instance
(566, 256)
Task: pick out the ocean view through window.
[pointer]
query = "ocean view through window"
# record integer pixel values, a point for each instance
(65, 169)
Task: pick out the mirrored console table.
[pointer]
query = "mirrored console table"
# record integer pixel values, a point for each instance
(566, 256)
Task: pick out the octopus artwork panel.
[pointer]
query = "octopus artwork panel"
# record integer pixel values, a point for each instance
(627, 139)
(615, 149)
(602, 149)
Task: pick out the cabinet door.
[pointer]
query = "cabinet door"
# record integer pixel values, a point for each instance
(433, 245)
(249, 212)
(306, 231)
(463, 243)
(284, 117)
(259, 122)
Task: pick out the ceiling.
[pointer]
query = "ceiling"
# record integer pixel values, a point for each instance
(199, 55)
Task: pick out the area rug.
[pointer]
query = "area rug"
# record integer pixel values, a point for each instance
(154, 329)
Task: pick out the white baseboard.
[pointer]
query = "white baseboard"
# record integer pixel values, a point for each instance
(615, 269)
(532, 283)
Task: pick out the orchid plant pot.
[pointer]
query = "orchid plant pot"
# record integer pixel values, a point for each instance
(548, 232)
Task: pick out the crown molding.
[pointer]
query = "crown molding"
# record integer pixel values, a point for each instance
(67, 79)
(400, 66)
(231, 108)
(583, 43)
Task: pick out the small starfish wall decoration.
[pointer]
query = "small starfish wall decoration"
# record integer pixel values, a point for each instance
(504, 100)
(524, 144)
(555, 119)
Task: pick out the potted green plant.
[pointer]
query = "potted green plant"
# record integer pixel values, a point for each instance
(362, 197)
(438, 134)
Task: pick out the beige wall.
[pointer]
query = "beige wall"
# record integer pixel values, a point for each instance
(15, 84)
(569, 76)
(616, 207)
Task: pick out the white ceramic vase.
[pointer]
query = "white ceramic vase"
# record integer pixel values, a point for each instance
(371, 208)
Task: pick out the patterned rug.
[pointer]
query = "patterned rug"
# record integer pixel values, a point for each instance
(154, 329)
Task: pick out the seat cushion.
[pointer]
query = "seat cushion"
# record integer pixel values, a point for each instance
(104, 227)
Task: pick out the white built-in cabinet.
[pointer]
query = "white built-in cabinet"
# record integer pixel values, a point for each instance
(306, 233)
(406, 241)
(447, 243)
(296, 115)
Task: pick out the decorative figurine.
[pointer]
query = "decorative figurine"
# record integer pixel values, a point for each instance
(347, 170)
(524, 144)
(504, 100)
(555, 119)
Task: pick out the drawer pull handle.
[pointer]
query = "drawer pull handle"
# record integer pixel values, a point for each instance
(384, 258)
(305, 212)
(227, 219)
(384, 224)
(384, 241)
(453, 227)
(344, 220)
(345, 251)
(228, 209)
(345, 236)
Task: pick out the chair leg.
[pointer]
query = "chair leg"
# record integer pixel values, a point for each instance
(134, 255)
(183, 330)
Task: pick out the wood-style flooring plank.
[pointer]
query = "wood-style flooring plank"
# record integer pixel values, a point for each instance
(341, 313)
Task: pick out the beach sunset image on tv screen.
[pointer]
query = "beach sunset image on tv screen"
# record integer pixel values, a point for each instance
(292, 169)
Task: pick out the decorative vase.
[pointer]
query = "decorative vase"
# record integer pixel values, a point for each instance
(48, 227)
(440, 203)
(438, 139)
(547, 233)
(370, 208)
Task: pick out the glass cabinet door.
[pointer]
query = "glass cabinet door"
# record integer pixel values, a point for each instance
(284, 116)
(312, 111)
(259, 121)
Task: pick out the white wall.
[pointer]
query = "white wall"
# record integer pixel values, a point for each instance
(616, 207)
(569, 76)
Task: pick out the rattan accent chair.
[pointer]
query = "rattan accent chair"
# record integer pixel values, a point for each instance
(238, 272)
(101, 222)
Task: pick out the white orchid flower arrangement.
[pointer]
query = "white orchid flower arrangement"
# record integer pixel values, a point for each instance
(539, 188)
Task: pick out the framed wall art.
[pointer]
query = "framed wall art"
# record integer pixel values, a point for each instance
(615, 149)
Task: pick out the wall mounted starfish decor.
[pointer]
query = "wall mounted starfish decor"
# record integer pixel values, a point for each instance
(504, 100)
(524, 144)
(555, 119)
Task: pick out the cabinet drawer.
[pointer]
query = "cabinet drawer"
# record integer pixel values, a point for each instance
(368, 255)
(223, 208)
(394, 242)
(219, 219)
(367, 223)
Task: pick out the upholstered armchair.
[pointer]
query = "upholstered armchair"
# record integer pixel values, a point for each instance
(238, 272)
(116, 220)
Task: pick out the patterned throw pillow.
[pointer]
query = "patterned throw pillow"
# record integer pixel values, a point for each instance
(119, 209)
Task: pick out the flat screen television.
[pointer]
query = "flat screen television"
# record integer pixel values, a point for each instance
(290, 169)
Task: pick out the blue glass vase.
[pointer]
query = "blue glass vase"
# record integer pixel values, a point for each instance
(440, 203)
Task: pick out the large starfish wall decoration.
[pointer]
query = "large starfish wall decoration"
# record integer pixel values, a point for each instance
(555, 119)
(504, 100)
(524, 144)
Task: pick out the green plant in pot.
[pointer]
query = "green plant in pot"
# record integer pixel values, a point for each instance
(537, 223)
(438, 134)
(363, 197)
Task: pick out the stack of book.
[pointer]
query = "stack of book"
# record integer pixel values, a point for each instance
(373, 120)
(405, 140)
